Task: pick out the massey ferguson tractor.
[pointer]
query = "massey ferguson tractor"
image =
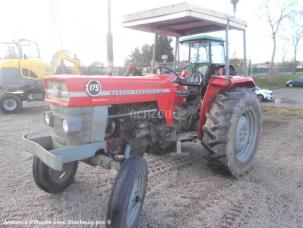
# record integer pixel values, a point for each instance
(112, 121)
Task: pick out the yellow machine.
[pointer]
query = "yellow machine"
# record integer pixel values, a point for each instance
(22, 71)
(58, 63)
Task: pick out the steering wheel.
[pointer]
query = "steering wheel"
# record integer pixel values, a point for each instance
(165, 70)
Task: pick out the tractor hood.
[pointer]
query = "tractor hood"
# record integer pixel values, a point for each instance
(81, 91)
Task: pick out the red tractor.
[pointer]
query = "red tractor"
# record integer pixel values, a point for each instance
(112, 121)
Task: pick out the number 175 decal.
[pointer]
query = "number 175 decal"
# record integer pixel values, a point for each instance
(93, 88)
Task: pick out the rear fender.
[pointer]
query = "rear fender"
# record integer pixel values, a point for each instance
(216, 85)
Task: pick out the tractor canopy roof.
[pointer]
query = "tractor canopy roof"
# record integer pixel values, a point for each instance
(181, 20)
(199, 37)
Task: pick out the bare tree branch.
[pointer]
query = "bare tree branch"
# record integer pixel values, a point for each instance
(296, 23)
(285, 9)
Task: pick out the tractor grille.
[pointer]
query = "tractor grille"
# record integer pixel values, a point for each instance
(60, 113)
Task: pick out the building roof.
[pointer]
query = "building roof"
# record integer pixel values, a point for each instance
(180, 20)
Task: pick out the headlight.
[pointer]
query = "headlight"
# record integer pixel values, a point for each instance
(49, 118)
(65, 126)
(72, 124)
(57, 90)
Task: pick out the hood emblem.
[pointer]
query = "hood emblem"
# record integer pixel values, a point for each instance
(93, 88)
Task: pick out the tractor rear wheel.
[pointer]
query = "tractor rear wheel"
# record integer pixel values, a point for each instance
(232, 131)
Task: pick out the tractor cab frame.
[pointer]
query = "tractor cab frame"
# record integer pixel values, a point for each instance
(200, 51)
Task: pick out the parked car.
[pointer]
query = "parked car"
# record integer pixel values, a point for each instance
(295, 82)
(263, 94)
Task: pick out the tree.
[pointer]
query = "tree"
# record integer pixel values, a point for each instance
(163, 47)
(296, 36)
(143, 56)
(284, 55)
(276, 12)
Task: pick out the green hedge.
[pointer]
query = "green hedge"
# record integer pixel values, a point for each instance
(277, 81)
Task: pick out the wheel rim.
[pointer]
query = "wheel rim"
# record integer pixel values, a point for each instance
(246, 134)
(60, 176)
(260, 97)
(10, 104)
(135, 200)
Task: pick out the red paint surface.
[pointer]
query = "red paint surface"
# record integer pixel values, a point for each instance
(165, 101)
(216, 85)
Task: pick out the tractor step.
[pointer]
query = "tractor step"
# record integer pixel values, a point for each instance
(187, 136)
(184, 137)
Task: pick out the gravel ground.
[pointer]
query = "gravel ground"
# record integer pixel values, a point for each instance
(289, 96)
(182, 190)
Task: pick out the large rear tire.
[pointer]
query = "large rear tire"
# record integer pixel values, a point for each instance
(232, 131)
(128, 194)
(10, 103)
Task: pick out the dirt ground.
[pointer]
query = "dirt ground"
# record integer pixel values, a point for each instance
(289, 96)
(182, 190)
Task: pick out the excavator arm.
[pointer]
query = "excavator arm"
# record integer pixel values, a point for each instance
(58, 65)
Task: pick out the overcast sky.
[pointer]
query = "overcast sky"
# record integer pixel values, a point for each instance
(81, 26)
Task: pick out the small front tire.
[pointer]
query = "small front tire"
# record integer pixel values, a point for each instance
(53, 181)
(128, 194)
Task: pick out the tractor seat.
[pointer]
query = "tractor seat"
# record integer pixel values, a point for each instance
(195, 79)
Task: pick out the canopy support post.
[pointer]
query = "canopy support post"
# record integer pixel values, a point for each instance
(244, 54)
(227, 48)
(176, 53)
(154, 51)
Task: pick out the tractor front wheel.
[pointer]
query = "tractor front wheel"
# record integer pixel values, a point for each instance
(53, 181)
(232, 131)
(128, 194)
